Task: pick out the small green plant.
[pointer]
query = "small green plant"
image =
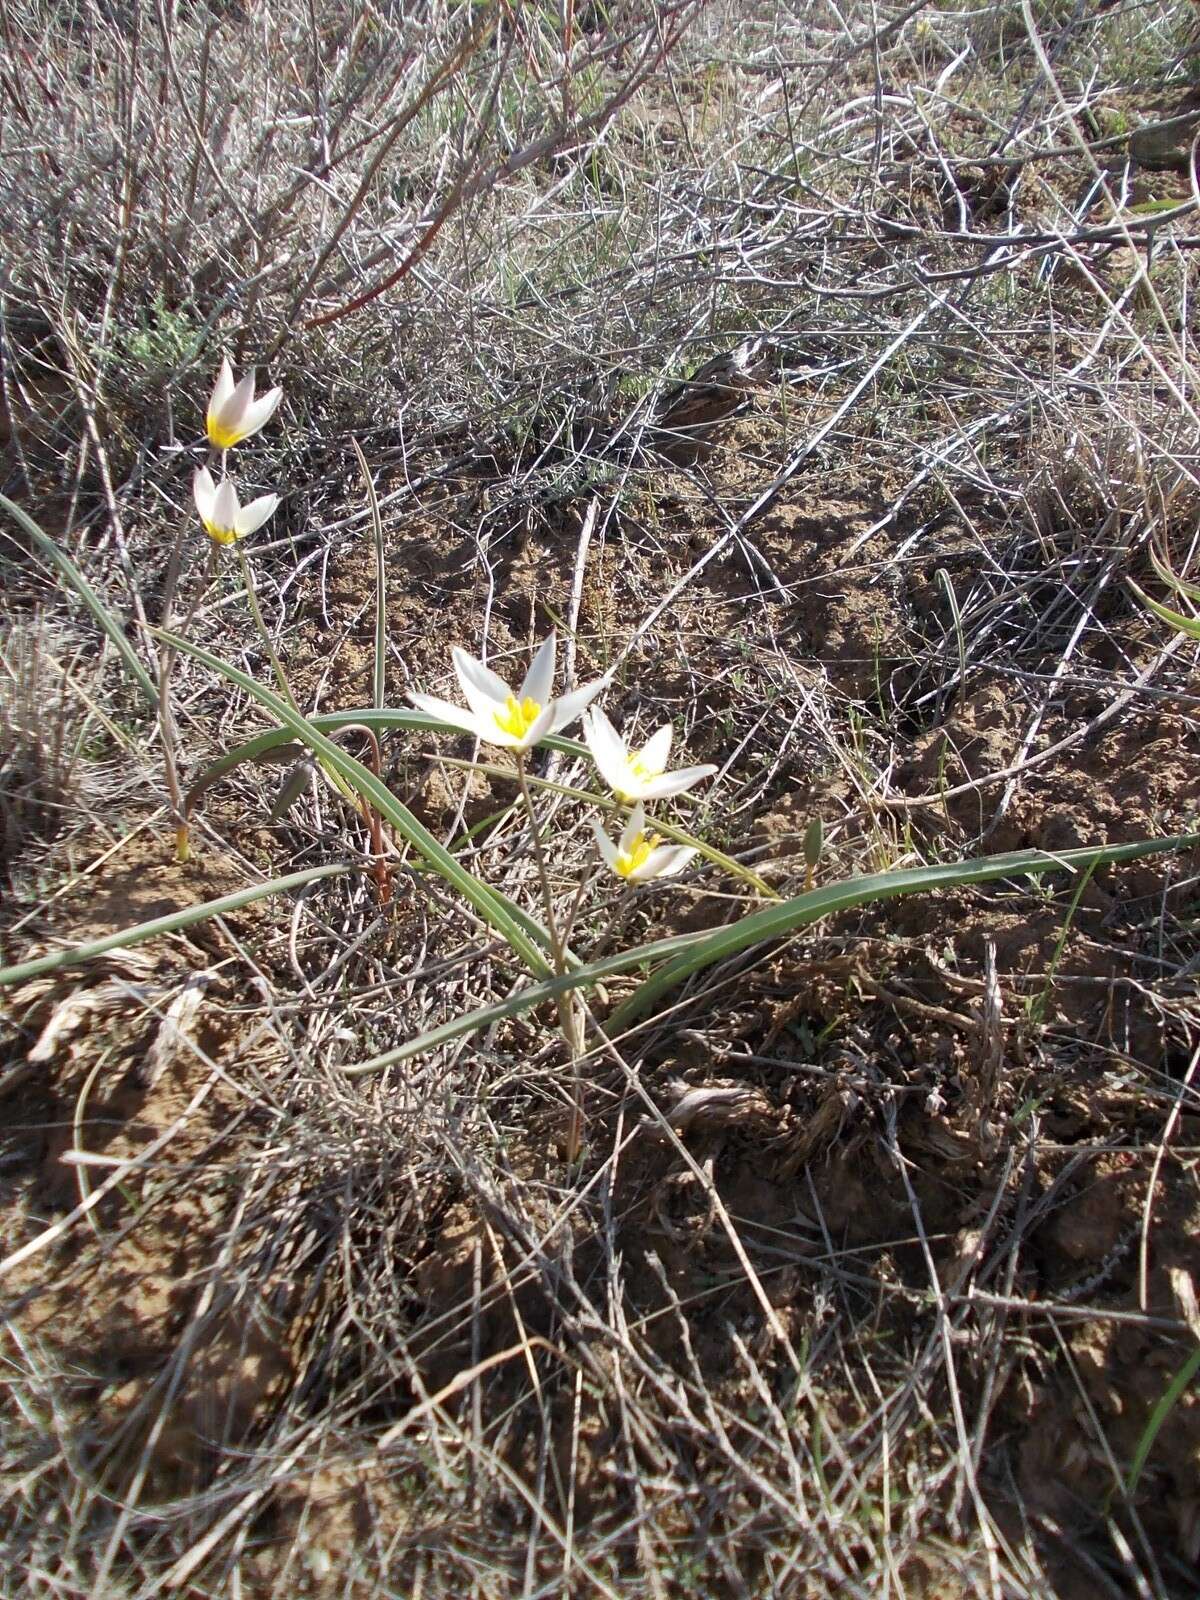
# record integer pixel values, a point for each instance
(1169, 1399)
(1039, 1004)
(163, 341)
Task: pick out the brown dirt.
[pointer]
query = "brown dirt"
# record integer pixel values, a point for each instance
(122, 1072)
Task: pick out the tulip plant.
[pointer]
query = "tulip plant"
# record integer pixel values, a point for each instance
(638, 856)
(639, 774)
(225, 521)
(517, 722)
(234, 414)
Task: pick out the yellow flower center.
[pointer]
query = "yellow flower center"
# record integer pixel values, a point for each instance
(516, 717)
(637, 773)
(223, 438)
(628, 861)
(221, 535)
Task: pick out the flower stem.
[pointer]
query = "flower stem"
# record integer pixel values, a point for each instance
(383, 880)
(568, 1013)
(166, 720)
(252, 597)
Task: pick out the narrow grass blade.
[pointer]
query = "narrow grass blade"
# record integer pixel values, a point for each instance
(1159, 1415)
(1188, 625)
(1173, 580)
(380, 677)
(947, 588)
(688, 953)
(62, 561)
(171, 923)
(493, 907)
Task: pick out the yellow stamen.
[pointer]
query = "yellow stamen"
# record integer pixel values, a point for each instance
(637, 773)
(221, 535)
(223, 438)
(628, 861)
(517, 716)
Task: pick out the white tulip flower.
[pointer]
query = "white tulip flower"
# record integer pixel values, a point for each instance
(639, 856)
(496, 714)
(224, 519)
(637, 774)
(233, 412)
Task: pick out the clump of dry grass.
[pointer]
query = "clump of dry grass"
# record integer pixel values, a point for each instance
(42, 779)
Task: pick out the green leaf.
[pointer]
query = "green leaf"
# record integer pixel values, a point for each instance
(492, 906)
(1188, 625)
(814, 843)
(1166, 1404)
(687, 953)
(1172, 580)
(780, 921)
(171, 923)
(1151, 208)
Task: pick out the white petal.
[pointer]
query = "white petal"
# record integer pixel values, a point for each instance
(225, 507)
(250, 518)
(223, 387)
(663, 862)
(204, 492)
(635, 825)
(482, 689)
(261, 411)
(607, 848)
(606, 746)
(569, 706)
(229, 415)
(539, 680)
(538, 729)
(653, 754)
(675, 782)
(446, 711)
